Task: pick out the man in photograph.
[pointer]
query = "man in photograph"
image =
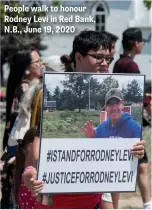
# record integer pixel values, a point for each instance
(118, 123)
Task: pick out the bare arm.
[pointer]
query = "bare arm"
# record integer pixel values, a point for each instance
(35, 150)
(115, 199)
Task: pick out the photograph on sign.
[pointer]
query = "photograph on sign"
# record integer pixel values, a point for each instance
(89, 124)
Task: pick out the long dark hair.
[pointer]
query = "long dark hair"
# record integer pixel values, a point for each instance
(18, 65)
(20, 160)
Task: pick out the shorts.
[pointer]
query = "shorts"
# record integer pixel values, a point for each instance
(106, 197)
(144, 159)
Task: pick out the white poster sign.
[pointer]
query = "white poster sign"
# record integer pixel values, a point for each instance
(87, 165)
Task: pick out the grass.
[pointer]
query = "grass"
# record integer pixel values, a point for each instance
(67, 124)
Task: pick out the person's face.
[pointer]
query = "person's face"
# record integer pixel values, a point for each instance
(114, 109)
(139, 47)
(34, 67)
(93, 61)
(113, 49)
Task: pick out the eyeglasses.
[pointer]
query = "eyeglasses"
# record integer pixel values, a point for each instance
(100, 58)
(35, 62)
(114, 102)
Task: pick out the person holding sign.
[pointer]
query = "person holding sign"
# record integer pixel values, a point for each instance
(93, 56)
(90, 50)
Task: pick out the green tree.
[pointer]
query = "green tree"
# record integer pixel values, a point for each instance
(47, 93)
(50, 97)
(94, 89)
(133, 92)
(57, 97)
(124, 91)
(68, 100)
(147, 4)
(11, 42)
(78, 85)
(56, 3)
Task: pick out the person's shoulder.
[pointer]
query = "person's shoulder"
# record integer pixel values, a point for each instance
(19, 91)
(135, 128)
(38, 95)
(132, 123)
(24, 85)
(120, 65)
(123, 60)
(133, 67)
(37, 99)
(128, 118)
(118, 62)
(101, 130)
(126, 65)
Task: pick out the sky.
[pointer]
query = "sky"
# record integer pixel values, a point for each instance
(124, 79)
(53, 80)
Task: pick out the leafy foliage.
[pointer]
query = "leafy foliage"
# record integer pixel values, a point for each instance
(56, 3)
(147, 3)
(77, 85)
(133, 93)
(83, 92)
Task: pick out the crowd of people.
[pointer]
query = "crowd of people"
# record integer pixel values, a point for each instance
(93, 52)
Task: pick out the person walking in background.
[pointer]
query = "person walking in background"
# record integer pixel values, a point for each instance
(24, 67)
(132, 43)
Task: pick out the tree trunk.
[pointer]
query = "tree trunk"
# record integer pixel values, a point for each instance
(80, 101)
